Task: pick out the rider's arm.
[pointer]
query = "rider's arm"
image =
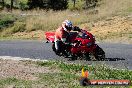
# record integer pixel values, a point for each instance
(63, 36)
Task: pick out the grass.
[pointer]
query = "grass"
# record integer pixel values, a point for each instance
(59, 80)
(71, 73)
(13, 82)
(67, 76)
(98, 72)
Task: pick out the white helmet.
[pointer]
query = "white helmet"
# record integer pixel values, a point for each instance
(67, 25)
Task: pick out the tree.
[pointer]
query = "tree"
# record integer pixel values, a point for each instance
(11, 6)
(58, 4)
(2, 3)
(37, 4)
(90, 3)
(86, 2)
(48, 4)
(74, 3)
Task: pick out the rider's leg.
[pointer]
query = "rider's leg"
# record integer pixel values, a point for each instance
(56, 43)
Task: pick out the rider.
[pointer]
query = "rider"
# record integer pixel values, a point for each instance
(62, 34)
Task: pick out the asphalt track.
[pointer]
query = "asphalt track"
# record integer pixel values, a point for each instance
(117, 55)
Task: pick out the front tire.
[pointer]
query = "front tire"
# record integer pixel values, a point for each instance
(99, 54)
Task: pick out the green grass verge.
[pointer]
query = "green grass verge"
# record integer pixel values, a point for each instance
(97, 72)
(72, 72)
(67, 76)
(60, 80)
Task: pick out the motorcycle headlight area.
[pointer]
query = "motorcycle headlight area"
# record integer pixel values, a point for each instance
(89, 44)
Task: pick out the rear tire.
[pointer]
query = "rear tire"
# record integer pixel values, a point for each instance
(62, 51)
(54, 49)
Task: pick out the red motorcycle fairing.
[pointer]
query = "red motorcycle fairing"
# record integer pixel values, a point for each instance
(50, 36)
(86, 43)
(83, 49)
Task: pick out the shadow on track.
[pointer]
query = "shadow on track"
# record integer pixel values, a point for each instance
(106, 59)
(114, 59)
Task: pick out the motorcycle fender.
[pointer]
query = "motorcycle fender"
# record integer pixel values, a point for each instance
(92, 48)
(74, 50)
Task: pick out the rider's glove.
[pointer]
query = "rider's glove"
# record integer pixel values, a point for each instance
(76, 29)
(63, 40)
(68, 43)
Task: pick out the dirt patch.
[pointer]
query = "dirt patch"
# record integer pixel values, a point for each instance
(114, 29)
(26, 70)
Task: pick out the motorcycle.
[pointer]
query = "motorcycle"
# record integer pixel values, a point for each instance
(82, 45)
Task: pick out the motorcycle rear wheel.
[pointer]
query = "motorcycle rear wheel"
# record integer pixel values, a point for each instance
(62, 52)
(54, 49)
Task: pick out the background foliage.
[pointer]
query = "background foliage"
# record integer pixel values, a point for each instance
(48, 4)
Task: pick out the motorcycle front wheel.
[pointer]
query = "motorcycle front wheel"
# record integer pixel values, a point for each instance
(99, 54)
